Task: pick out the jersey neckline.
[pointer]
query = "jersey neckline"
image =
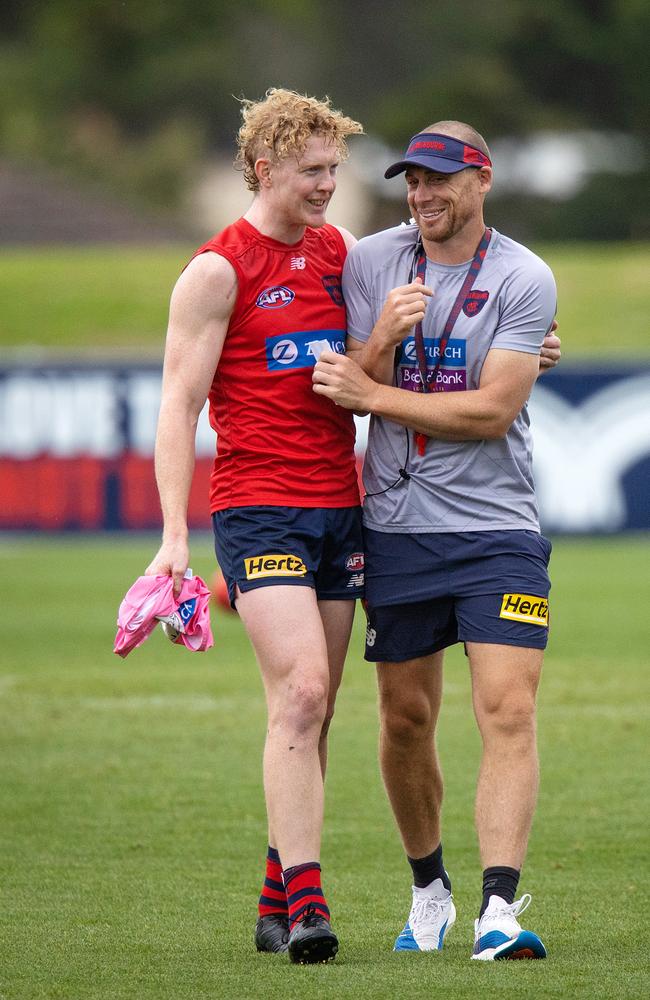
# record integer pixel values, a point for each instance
(270, 242)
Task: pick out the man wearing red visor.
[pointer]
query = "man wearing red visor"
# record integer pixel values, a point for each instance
(446, 319)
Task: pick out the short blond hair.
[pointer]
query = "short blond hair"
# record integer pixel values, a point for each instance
(281, 125)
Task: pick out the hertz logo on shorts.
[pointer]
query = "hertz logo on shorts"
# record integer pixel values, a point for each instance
(525, 608)
(280, 565)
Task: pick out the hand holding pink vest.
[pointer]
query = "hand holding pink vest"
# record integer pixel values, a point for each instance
(185, 620)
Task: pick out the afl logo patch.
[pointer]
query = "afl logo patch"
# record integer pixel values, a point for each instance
(276, 297)
(475, 302)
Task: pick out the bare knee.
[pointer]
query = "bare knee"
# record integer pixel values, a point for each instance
(302, 707)
(407, 719)
(510, 718)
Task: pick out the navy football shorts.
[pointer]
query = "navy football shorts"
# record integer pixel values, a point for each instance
(314, 547)
(426, 592)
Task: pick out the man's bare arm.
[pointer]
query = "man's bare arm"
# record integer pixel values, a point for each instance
(200, 309)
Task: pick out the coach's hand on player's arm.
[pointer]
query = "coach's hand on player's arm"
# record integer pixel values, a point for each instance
(342, 380)
(551, 353)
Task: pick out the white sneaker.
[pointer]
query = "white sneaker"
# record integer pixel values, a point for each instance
(432, 915)
(497, 934)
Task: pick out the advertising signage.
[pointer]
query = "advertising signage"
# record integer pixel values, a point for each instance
(77, 441)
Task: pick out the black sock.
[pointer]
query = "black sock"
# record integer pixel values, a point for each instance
(425, 870)
(501, 882)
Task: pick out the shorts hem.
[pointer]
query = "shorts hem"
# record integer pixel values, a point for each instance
(429, 651)
(339, 597)
(507, 641)
(287, 581)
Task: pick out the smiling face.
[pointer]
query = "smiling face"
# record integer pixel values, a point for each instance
(448, 208)
(298, 189)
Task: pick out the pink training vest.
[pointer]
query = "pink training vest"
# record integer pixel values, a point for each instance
(151, 600)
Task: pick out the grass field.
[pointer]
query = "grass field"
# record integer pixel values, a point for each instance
(133, 831)
(107, 298)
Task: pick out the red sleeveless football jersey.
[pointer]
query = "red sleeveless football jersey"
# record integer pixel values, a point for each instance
(278, 442)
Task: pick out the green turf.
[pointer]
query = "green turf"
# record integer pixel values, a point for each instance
(132, 827)
(89, 298)
(106, 298)
(602, 289)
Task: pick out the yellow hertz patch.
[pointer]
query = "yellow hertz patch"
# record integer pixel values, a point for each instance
(280, 565)
(525, 608)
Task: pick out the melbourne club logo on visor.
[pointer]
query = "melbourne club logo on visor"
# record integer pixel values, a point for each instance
(258, 567)
(434, 151)
(525, 608)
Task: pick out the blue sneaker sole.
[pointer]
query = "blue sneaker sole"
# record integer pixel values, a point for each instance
(525, 945)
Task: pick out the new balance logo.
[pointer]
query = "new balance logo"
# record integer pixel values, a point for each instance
(298, 263)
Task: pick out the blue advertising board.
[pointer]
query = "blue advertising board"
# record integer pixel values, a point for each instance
(77, 440)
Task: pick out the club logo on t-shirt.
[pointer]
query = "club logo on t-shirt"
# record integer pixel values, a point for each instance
(475, 302)
(275, 297)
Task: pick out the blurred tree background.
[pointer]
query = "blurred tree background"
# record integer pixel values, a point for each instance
(135, 95)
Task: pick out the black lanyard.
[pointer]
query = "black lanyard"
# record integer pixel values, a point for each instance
(420, 268)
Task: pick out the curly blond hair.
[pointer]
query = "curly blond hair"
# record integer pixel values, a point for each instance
(281, 125)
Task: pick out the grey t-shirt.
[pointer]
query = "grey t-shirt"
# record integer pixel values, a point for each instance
(453, 487)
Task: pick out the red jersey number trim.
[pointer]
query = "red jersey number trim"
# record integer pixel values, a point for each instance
(278, 442)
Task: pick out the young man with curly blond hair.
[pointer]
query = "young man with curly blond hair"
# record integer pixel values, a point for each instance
(249, 317)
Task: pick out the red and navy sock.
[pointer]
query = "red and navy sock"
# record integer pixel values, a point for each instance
(302, 883)
(273, 898)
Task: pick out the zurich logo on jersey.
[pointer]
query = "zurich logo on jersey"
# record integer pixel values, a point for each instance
(302, 348)
(275, 297)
